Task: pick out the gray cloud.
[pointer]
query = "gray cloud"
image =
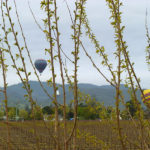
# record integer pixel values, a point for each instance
(98, 14)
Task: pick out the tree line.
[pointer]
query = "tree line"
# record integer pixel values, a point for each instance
(91, 110)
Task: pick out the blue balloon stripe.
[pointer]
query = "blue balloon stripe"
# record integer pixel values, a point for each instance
(40, 65)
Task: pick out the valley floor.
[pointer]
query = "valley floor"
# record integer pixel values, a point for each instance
(91, 135)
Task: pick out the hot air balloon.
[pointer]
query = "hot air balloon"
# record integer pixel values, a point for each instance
(40, 65)
(146, 98)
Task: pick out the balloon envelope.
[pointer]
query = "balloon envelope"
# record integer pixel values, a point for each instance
(146, 100)
(40, 65)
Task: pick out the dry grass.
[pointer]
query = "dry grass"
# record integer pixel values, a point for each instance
(92, 135)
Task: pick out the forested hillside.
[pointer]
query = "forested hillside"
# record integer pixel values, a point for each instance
(105, 93)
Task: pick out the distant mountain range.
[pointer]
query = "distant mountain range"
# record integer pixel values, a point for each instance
(105, 93)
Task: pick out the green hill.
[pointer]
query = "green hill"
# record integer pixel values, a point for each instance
(105, 94)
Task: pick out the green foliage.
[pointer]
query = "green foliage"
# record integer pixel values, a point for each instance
(11, 112)
(48, 110)
(125, 115)
(148, 43)
(90, 108)
(1, 113)
(132, 108)
(147, 114)
(23, 114)
(107, 113)
(86, 114)
(70, 114)
(37, 113)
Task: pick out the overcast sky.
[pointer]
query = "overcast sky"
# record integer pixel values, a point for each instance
(98, 14)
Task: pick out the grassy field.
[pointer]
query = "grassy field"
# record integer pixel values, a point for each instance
(91, 135)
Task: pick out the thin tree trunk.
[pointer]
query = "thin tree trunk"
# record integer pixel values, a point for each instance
(62, 77)
(6, 99)
(53, 78)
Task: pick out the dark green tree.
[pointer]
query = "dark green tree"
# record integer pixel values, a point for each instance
(48, 110)
(132, 107)
(147, 113)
